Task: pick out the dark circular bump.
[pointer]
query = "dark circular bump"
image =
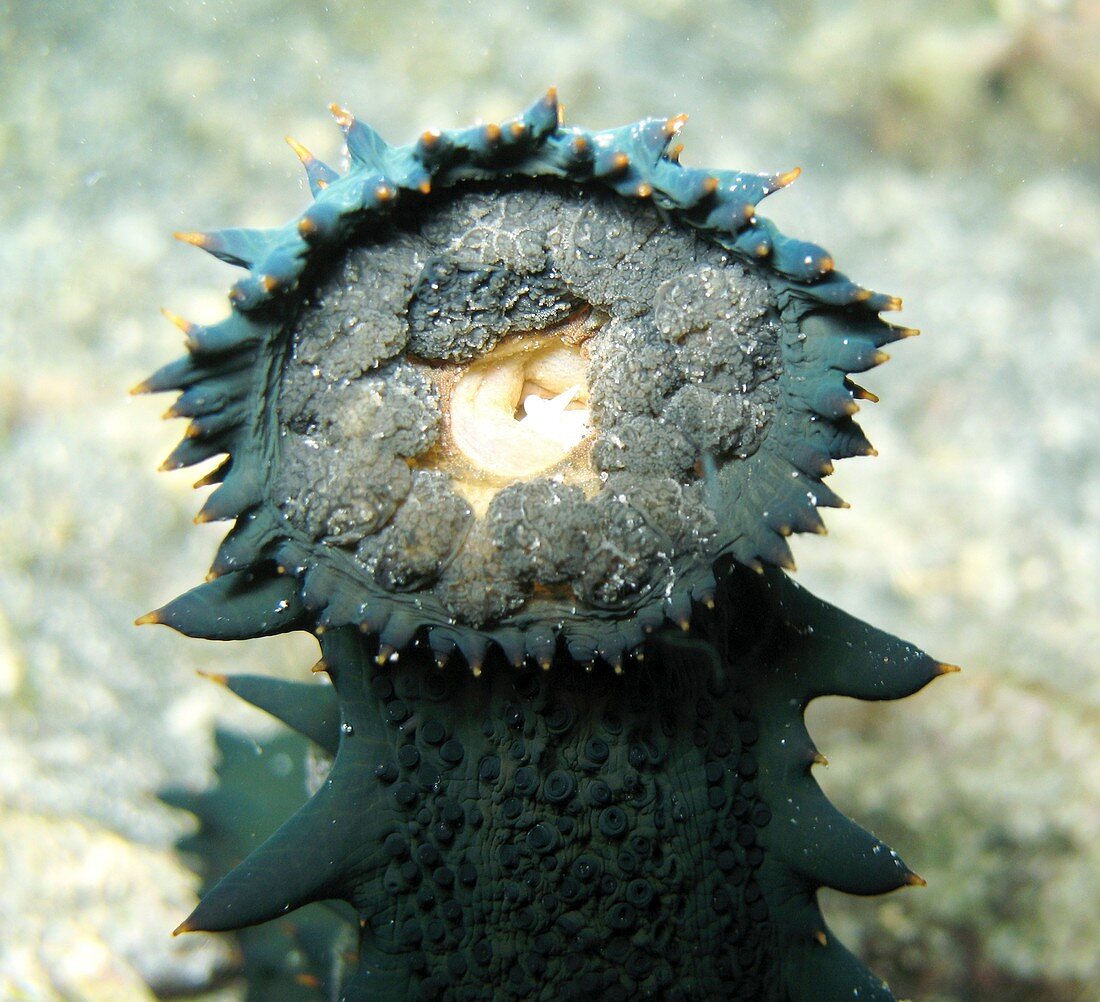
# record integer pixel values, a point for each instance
(489, 769)
(382, 687)
(526, 682)
(699, 737)
(517, 749)
(612, 723)
(716, 797)
(443, 876)
(395, 845)
(427, 854)
(641, 845)
(727, 861)
(570, 890)
(599, 794)
(433, 731)
(628, 862)
(640, 892)
(408, 756)
(511, 809)
(453, 813)
(411, 933)
(746, 765)
(754, 856)
(752, 891)
(543, 838)
(608, 885)
(397, 711)
(525, 917)
(761, 815)
(526, 780)
(559, 720)
(722, 745)
(637, 757)
(467, 874)
(559, 786)
(452, 911)
(748, 732)
(622, 916)
(457, 965)
(452, 751)
(387, 772)
(758, 911)
(444, 833)
(433, 987)
(613, 822)
(532, 878)
(509, 857)
(418, 962)
(741, 806)
(410, 872)
(596, 750)
(405, 794)
(434, 930)
(617, 950)
(513, 716)
(714, 772)
(565, 826)
(425, 897)
(720, 902)
(482, 952)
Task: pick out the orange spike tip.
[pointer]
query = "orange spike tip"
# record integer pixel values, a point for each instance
(492, 132)
(306, 227)
(269, 283)
(749, 211)
(385, 653)
(580, 144)
(617, 668)
(299, 150)
(787, 177)
(908, 331)
(820, 938)
(475, 670)
(384, 193)
(184, 325)
(916, 880)
(864, 394)
(826, 264)
(674, 153)
(620, 161)
(184, 926)
(425, 187)
(710, 185)
(684, 624)
(819, 759)
(517, 129)
(643, 190)
(192, 237)
(202, 518)
(893, 303)
(344, 118)
(150, 618)
(320, 666)
(880, 357)
(942, 668)
(429, 137)
(675, 124)
(214, 677)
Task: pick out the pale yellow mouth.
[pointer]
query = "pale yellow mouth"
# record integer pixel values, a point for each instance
(519, 411)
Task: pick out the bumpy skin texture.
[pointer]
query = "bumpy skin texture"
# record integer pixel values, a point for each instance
(647, 829)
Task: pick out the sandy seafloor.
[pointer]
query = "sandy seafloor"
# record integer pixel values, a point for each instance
(951, 157)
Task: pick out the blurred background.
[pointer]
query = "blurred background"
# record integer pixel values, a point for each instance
(951, 156)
